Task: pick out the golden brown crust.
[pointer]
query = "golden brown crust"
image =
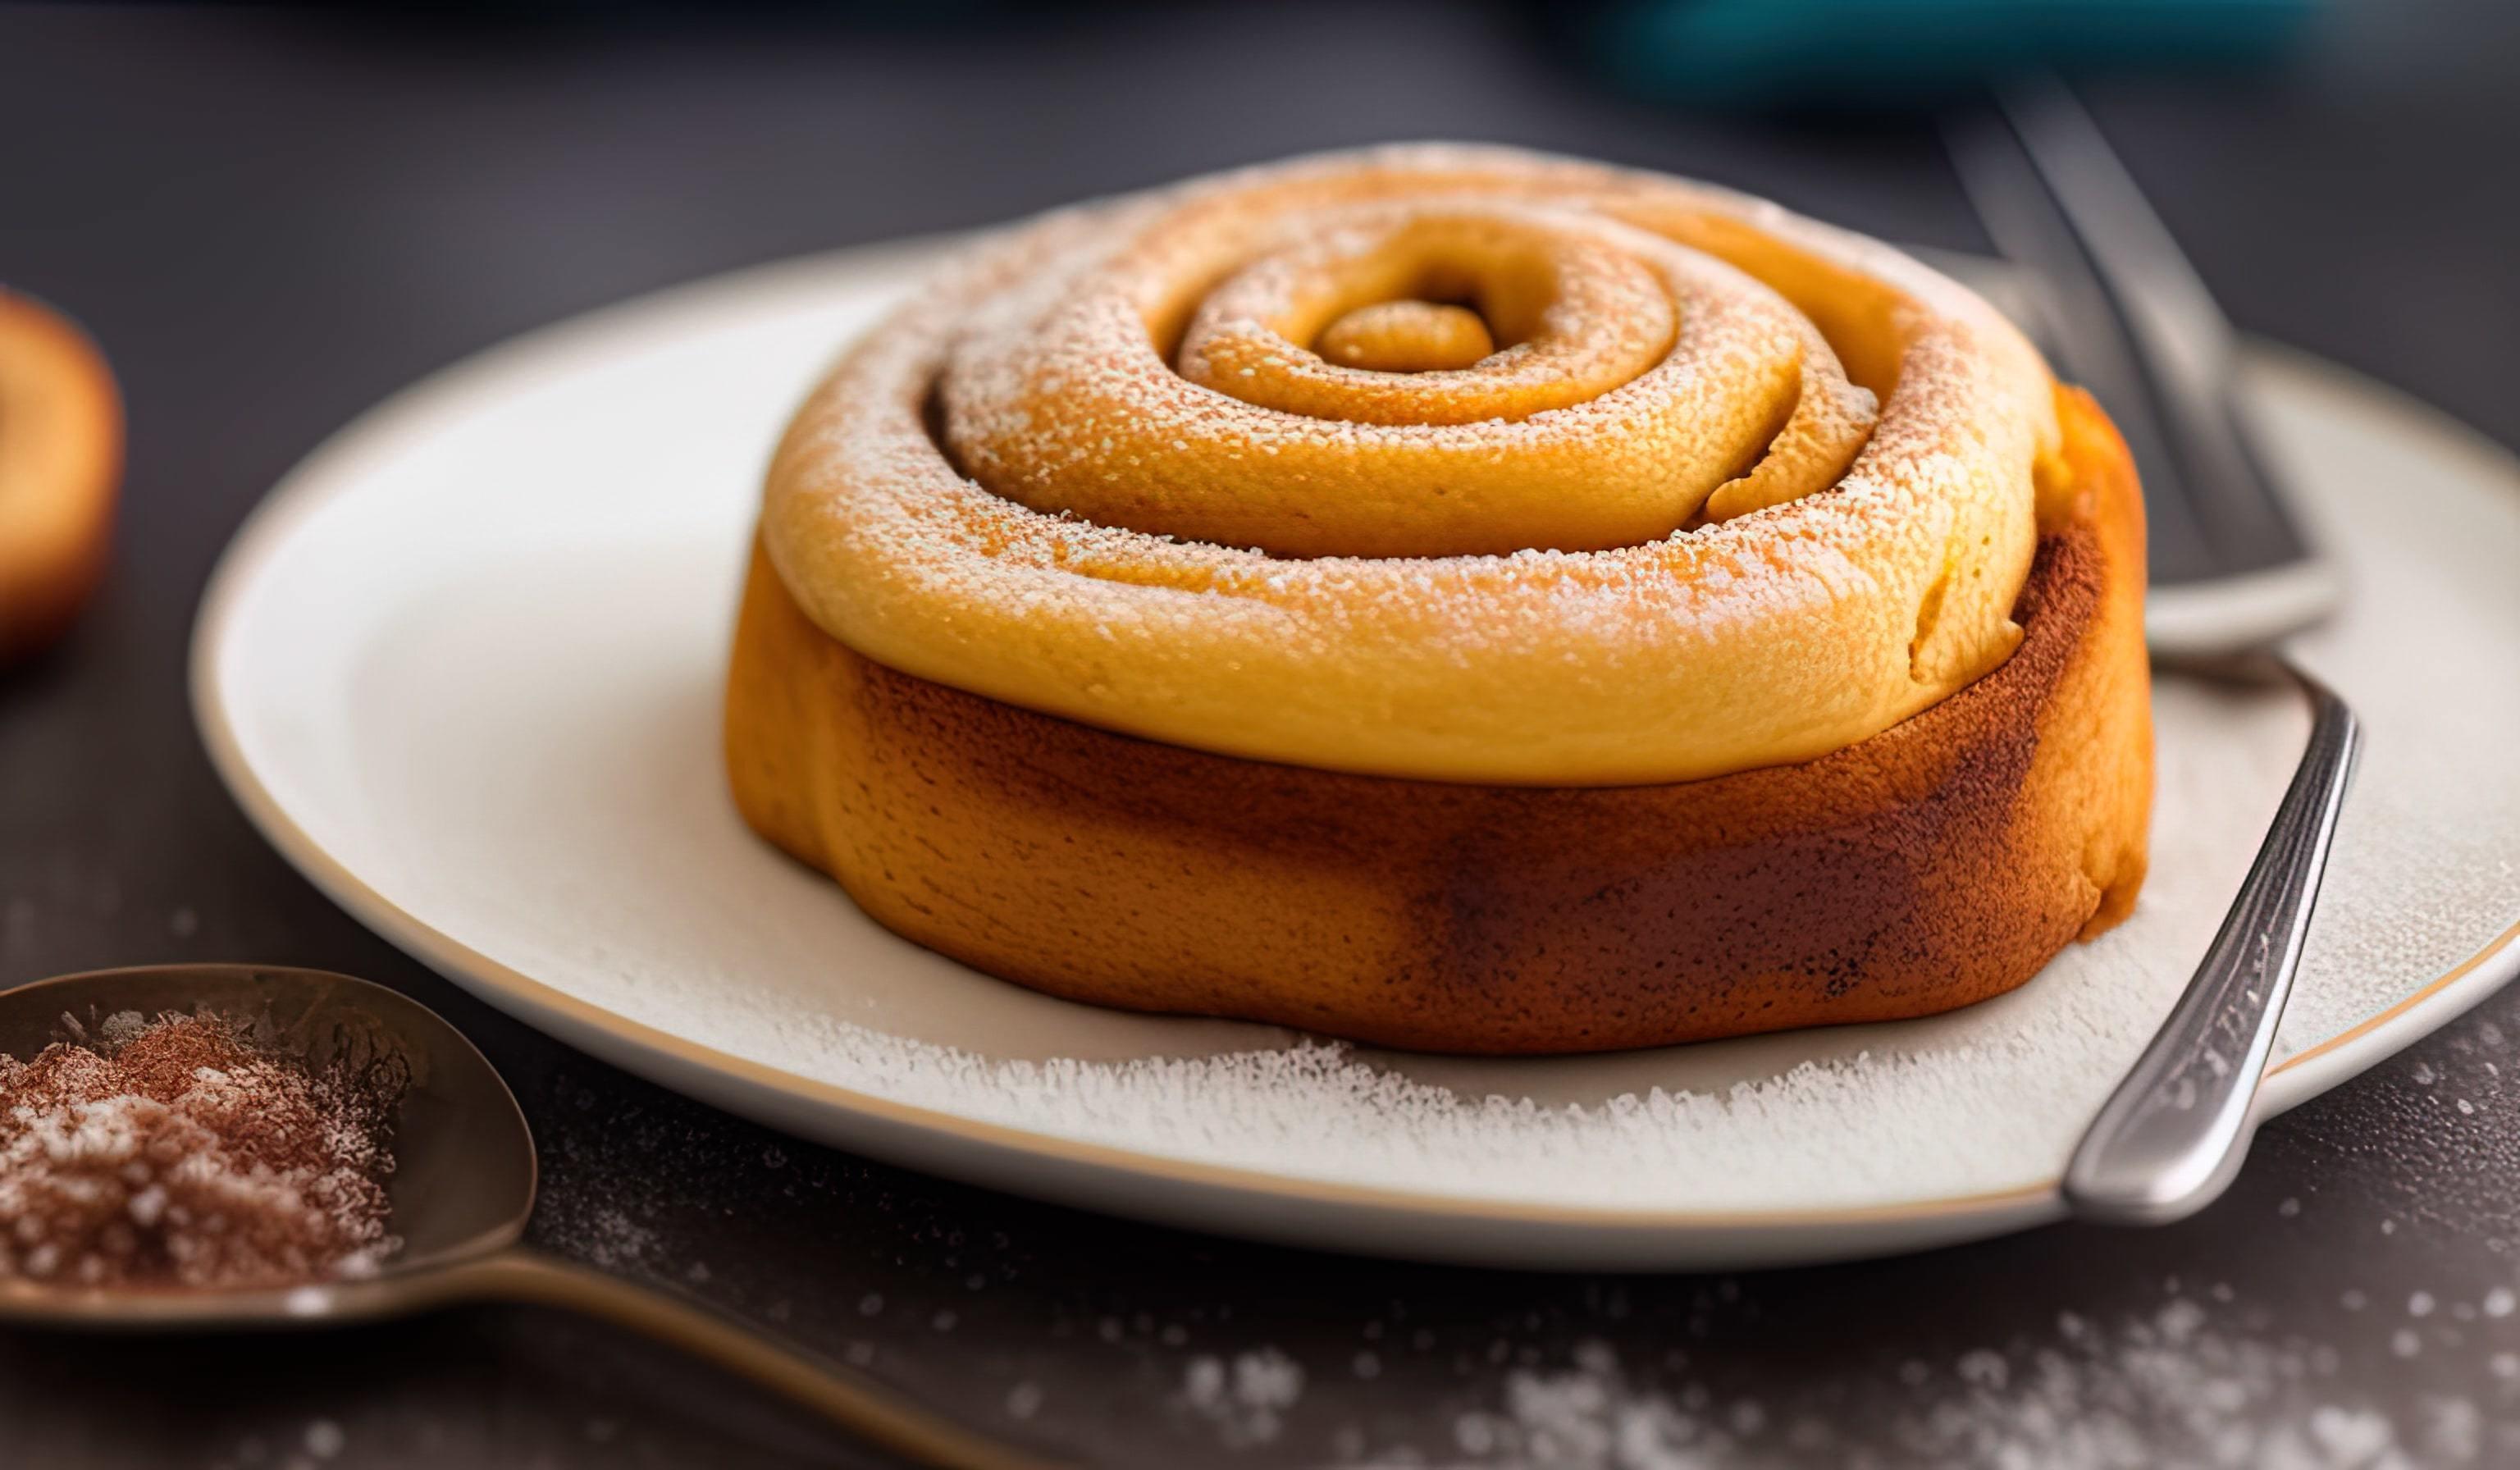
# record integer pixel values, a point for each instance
(1936, 863)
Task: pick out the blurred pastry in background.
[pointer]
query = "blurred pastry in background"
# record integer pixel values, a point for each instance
(60, 462)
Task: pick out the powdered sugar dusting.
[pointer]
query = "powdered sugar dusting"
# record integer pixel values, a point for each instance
(1244, 1398)
(2161, 1388)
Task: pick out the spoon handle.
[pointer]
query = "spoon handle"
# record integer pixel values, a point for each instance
(873, 1413)
(2173, 1133)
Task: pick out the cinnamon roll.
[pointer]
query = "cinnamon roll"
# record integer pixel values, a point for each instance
(1455, 599)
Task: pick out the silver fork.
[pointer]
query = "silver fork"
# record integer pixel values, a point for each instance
(2123, 312)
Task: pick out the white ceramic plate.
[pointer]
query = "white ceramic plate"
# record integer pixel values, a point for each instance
(462, 669)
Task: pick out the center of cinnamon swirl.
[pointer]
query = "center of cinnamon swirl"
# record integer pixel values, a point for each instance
(1407, 336)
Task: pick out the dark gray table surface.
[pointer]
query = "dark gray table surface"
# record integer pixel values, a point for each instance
(271, 220)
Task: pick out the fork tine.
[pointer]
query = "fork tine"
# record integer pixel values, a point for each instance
(2180, 343)
(2086, 336)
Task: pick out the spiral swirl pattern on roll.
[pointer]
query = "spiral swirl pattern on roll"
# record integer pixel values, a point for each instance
(1461, 465)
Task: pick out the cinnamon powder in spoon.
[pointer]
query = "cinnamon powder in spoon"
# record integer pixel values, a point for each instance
(176, 1152)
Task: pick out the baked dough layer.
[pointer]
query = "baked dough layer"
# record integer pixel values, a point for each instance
(1940, 862)
(1742, 489)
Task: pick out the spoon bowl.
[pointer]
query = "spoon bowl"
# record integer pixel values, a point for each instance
(463, 1185)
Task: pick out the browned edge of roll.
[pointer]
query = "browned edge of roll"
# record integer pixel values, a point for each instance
(1937, 863)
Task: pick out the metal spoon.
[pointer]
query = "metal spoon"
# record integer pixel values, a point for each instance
(462, 1190)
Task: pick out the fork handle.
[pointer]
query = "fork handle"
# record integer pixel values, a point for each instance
(2172, 1135)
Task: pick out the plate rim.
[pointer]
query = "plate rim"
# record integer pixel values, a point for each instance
(331, 472)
